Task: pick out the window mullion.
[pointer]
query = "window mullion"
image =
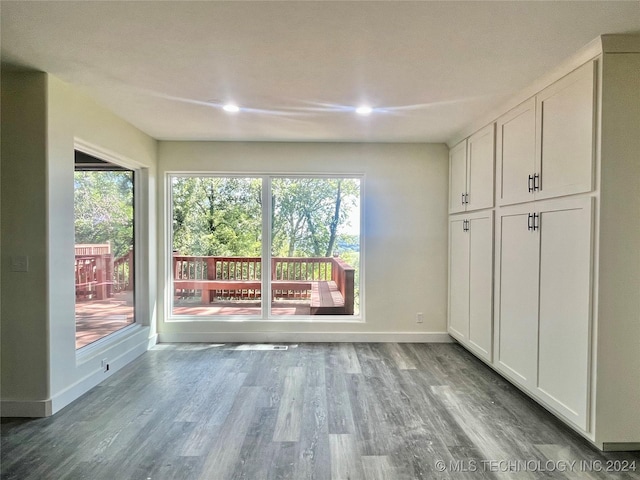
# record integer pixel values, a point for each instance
(266, 247)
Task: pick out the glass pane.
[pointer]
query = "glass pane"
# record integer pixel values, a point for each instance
(217, 242)
(315, 246)
(104, 256)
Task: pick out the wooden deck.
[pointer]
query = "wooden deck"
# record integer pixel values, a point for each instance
(96, 319)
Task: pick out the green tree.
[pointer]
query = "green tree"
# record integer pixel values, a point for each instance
(222, 215)
(308, 214)
(217, 216)
(103, 208)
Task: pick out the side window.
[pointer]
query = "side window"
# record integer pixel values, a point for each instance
(104, 248)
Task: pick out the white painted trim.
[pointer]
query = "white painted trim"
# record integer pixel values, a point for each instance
(68, 395)
(621, 43)
(105, 154)
(153, 340)
(141, 210)
(165, 292)
(305, 337)
(618, 446)
(26, 408)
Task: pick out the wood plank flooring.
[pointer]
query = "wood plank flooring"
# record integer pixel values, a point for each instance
(314, 411)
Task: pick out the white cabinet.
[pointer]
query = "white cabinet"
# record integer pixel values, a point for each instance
(458, 177)
(545, 145)
(567, 263)
(543, 298)
(565, 121)
(516, 154)
(471, 172)
(471, 281)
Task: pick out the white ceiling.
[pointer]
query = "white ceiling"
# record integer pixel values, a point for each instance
(299, 68)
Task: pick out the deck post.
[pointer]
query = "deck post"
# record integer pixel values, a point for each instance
(130, 280)
(101, 276)
(344, 276)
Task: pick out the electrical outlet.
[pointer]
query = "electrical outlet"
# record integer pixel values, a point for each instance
(105, 365)
(419, 317)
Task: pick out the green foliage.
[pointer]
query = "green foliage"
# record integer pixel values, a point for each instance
(217, 216)
(103, 208)
(222, 215)
(308, 214)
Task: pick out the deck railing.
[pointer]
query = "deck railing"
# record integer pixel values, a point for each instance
(123, 272)
(292, 269)
(97, 275)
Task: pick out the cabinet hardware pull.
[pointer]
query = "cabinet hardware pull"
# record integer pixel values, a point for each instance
(529, 222)
(536, 182)
(463, 199)
(536, 221)
(530, 183)
(466, 198)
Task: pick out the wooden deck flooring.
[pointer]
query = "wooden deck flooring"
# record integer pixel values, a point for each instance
(96, 319)
(315, 411)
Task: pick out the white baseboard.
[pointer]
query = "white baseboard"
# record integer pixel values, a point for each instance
(153, 340)
(26, 409)
(82, 386)
(305, 337)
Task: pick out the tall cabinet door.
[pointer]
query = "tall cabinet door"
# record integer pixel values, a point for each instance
(458, 279)
(457, 177)
(480, 168)
(517, 267)
(516, 154)
(565, 120)
(565, 299)
(481, 284)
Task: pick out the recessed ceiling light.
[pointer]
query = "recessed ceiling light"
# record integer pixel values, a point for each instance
(364, 110)
(231, 108)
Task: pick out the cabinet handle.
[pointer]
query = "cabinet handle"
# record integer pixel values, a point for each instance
(530, 222)
(466, 198)
(536, 182)
(536, 221)
(463, 199)
(464, 225)
(530, 183)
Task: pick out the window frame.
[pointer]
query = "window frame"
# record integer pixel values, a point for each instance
(141, 292)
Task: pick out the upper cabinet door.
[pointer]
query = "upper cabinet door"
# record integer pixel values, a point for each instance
(516, 154)
(480, 169)
(565, 121)
(458, 177)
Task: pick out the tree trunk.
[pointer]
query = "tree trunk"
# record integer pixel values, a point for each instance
(333, 226)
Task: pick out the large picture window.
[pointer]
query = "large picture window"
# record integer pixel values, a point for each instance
(265, 246)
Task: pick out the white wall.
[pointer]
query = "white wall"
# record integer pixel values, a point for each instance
(618, 307)
(40, 207)
(24, 328)
(405, 235)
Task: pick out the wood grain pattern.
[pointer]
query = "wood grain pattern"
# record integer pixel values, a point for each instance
(313, 412)
(290, 412)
